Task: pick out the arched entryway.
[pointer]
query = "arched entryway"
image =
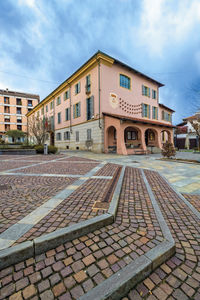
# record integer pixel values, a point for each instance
(52, 139)
(112, 139)
(165, 136)
(151, 138)
(132, 138)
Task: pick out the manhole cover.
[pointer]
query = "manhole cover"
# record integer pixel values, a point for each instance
(4, 187)
(135, 162)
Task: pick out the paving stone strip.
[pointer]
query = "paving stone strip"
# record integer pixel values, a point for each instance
(56, 175)
(178, 278)
(72, 269)
(14, 232)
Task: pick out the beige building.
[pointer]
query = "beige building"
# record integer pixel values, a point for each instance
(13, 109)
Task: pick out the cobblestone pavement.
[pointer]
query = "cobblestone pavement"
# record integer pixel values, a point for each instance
(179, 277)
(21, 195)
(74, 268)
(194, 200)
(7, 165)
(79, 206)
(59, 167)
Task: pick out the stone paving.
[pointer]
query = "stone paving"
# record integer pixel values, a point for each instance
(74, 268)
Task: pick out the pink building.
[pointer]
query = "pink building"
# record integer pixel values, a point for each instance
(106, 106)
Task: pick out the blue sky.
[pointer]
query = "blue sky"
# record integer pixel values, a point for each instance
(44, 41)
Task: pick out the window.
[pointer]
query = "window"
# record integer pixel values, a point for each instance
(67, 135)
(77, 88)
(46, 108)
(145, 91)
(58, 101)
(29, 109)
(145, 110)
(52, 122)
(89, 134)
(154, 94)
(7, 127)
(132, 135)
(125, 81)
(52, 105)
(67, 114)
(19, 127)
(42, 110)
(38, 114)
(7, 119)
(59, 118)
(66, 96)
(166, 116)
(6, 109)
(154, 112)
(90, 107)
(19, 110)
(77, 136)
(30, 103)
(77, 110)
(58, 136)
(19, 119)
(88, 85)
(6, 100)
(19, 101)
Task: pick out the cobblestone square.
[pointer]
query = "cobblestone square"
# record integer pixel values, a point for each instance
(42, 198)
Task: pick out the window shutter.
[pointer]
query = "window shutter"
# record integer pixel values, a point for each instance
(69, 113)
(149, 111)
(79, 109)
(92, 106)
(74, 111)
(143, 91)
(149, 91)
(157, 113)
(142, 109)
(79, 87)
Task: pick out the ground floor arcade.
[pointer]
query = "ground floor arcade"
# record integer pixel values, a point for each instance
(126, 136)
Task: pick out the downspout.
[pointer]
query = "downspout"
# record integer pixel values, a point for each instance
(99, 92)
(54, 122)
(70, 104)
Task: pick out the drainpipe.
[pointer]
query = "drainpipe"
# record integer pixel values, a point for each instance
(54, 114)
(99, 92)
(70, 104)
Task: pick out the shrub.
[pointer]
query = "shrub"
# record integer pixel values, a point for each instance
(168, 150)
(2, 142)
(52, 149)
(39, 149)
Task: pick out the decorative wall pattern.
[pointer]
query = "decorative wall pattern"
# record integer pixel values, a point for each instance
(130, 108)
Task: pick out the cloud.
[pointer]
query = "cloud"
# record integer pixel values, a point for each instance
(49, 40)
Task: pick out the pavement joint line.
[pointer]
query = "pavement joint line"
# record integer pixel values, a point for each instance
(58, 175)
(15, 254)
(119, 284)
(33, 165)
(192, 208)
(40, 212)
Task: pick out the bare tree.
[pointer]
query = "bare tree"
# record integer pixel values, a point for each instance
(37, 128)
(195, 122)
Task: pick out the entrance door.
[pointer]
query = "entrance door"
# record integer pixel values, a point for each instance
(52, 139)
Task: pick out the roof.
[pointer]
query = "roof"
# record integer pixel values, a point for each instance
(181, 124)
(19, 94)
(166, 107)
(95, 56)
(137, 120)
(194, 117)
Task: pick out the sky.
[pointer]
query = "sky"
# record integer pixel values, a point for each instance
(42, 42)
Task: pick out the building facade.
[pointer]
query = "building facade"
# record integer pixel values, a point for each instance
(186, 137)
(106, 106)
(13, 109)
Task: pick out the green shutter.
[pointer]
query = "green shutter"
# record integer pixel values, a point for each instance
(142, 109)
(149, 91)
(149, 111)
(79, 109)
(74, 111)
(157, 113)
(92, 105)
(143, 91)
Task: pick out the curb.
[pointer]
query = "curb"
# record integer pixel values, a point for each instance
(25, 250)
(119, 284)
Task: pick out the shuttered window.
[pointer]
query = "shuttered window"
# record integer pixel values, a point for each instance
(146, 91)
(90, 107)
(67, 114)
(125, 81)
(77, 110)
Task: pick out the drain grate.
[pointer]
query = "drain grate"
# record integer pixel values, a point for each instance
(4, 187)
(135, 162)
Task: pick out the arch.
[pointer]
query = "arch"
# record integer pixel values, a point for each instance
(166, 136)
(151, 137)
(132, 137)
(111, 135)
